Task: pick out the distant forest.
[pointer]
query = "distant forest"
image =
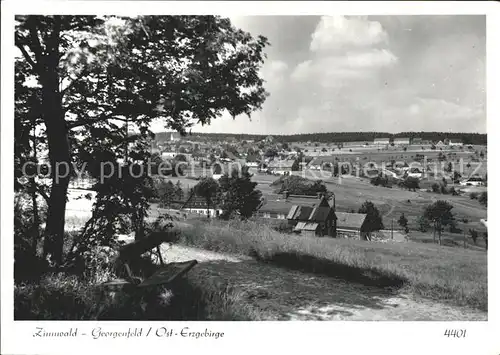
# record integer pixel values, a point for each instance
(337, 137)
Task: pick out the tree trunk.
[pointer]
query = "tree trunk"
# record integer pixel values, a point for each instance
(59, 147)
(59, 154)
(434, 234)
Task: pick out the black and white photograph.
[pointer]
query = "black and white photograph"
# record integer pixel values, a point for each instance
(207, 167)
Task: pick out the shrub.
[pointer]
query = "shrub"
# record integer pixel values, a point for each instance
(483, 198)
(423, 224)
(283, 227)
(474, 234)
(473, 195)
(436, 188)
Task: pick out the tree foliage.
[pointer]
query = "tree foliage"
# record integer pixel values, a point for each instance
(403, 222)
(95, 76)
(440, 214)
(411, 183)
(207, 188)
(373, 221)
(483, 198)
(297, 185)
(238, 193)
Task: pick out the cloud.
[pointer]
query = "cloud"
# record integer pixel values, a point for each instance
(384, 73)
(274, 72)
(342, 49)
(336, 32)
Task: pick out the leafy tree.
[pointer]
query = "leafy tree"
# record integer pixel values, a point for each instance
(207, 188)
(297, 185)
(94, 75)
(373, 221)
(180, 157)
(456, 177)
(423, 224)
(165, 191)
(440, 214)
(403, 222)
(271, 153)
(411, 183)
(474, 234)
(179, 192)
(239, 195)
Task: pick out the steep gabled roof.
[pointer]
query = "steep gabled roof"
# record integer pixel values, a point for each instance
(306, 226)
(195, 201)
(350, 220)
(316, 213)
(320, 214)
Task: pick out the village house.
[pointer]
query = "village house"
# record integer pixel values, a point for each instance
(168, 155)
(455, 142)
(275, 209)
(351, 225)
(197, 204)
(280, 166)
(416, 140)
(316, 220)
(401, 141)
(381, 141)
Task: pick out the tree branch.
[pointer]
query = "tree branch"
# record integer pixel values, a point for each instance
(84, 122)
(43, 194)
(25, 52)
(37, 50)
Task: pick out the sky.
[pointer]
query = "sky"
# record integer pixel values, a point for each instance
(369, 73)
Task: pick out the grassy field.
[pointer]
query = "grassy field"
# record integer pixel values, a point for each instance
(351, 192)
(439, 273)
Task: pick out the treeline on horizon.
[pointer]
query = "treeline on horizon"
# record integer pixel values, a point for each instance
(338, 137)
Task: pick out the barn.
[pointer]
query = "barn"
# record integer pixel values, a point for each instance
(381, 141)
(318, 220)
(350, 225)
(401, 141)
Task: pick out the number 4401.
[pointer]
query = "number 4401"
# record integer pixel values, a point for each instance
(455, 333)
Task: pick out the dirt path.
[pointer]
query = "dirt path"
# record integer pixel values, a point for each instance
(284, 294)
